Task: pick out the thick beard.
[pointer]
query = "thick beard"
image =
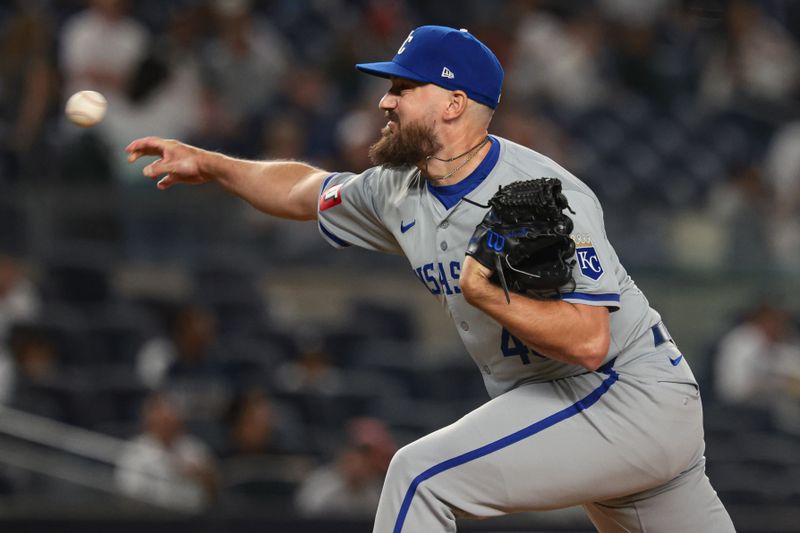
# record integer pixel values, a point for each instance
(409, 145)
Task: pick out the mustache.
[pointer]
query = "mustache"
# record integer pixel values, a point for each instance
(392, 116)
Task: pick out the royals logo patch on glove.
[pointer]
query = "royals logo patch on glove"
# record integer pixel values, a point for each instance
(525, 237)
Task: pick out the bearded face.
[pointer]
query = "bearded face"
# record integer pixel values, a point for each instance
(406, 145)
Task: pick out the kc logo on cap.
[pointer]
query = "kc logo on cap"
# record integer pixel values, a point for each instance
(408, 40)
(447, 57)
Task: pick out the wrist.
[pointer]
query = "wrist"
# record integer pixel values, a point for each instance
(474, 283)
(210, 165)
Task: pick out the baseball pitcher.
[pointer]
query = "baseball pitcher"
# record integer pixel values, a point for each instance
(593, 403)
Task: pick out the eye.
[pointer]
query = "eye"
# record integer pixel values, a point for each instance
(400, 86)
(398, 89)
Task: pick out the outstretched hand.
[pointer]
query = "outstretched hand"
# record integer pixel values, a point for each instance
(177, 162)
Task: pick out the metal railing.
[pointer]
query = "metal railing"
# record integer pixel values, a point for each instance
(60, 451)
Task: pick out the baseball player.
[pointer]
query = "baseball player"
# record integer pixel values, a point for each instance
(592, 402)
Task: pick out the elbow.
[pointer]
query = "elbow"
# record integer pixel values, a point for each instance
(292, 210)
(593, 353)
(301, 216)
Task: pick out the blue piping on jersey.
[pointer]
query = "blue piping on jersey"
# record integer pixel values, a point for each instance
(331, 236)
(326, 182)
(492, 447)
(450, 195)
(591, 297)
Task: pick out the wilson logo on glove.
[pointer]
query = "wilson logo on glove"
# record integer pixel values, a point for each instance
(494, 241)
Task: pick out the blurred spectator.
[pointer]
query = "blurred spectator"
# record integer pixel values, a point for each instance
(262, 448)
(558, 58)
(783, 171)
(162, 93)
(757, 58)
(351, 486)
(29, 376)
(188, 365)
(283, 138)
(19, 298)
(189, 329)
(314, 106)
(165, 465)
(355, 134)
(27, 91)
(634, 12)
(100, 49)
(742, 206)
(758, 361)
(311, 371)
(542, 135)
(242, 69)
(251, 425)
(162, 97)
(654, 49)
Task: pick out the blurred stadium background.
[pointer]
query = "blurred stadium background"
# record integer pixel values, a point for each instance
(284, 373)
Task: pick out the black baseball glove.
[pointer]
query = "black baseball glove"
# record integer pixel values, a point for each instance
(525, 237)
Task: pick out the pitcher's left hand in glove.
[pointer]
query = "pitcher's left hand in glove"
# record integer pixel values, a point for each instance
(525, 237)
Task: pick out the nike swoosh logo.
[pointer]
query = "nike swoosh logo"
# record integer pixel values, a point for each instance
(676, 361)
(405, 227)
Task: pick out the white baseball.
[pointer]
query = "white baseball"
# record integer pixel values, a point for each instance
(86, 108)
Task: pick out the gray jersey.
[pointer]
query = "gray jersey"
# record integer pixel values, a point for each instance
(394, 211)
(626, 442)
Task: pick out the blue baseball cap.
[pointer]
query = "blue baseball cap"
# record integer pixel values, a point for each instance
(450, 58)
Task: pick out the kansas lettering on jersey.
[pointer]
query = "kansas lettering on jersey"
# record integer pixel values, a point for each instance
(393, 211)
(439, 278)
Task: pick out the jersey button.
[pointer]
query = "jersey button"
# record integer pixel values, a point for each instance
(443, 246)
(487, 369)
(444, 225)
(464, 326)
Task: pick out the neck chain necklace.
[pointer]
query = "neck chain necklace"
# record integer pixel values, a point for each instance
(474, 150)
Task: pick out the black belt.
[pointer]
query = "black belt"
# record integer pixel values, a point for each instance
(660, 334)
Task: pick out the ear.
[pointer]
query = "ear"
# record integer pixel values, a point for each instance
(456, 105)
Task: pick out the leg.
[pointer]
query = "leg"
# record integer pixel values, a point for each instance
(543, 446)
(688, 504)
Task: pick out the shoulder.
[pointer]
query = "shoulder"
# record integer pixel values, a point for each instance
(380, 181)
(389, 177)
(525, 163)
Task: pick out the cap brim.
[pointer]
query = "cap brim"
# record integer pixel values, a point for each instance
(388, 69)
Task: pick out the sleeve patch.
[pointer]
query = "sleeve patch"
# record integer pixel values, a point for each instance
(331, 197)
(589, 262)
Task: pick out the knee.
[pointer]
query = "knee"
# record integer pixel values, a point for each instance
(414, 460)
(405, 464)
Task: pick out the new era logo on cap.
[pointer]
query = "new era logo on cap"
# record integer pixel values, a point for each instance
(434, 54)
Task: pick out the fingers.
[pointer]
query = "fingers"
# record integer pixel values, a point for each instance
(157, 168)
(150, 146)
(145, 143)
(166, 182)
(164, 166)
(146, 146)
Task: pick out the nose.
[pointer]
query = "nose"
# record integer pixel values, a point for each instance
(388, 102)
